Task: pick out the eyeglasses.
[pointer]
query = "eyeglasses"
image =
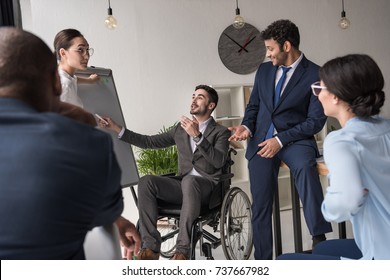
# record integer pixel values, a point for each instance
(84, 51)
(317, 88)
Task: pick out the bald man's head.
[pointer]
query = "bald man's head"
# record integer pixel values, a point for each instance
(28, 69)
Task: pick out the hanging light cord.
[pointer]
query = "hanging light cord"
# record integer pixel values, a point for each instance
(343, 11)
(109, 12)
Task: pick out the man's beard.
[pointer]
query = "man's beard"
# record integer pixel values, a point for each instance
(198, 111)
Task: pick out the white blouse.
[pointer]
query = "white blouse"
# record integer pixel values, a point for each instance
(69, 89)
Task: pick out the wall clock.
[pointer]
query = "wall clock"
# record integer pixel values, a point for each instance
(241, 50)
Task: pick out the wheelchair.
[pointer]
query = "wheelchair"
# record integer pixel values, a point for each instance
(226, 223)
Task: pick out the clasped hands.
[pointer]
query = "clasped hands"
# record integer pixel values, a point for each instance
(268, 148)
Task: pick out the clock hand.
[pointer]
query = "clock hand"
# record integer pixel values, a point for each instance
(247, 39)
(246, 44)
(236, 42)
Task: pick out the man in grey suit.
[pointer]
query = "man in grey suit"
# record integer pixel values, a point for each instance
(202, 146)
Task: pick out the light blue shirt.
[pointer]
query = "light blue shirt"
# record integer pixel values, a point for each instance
(358, 158)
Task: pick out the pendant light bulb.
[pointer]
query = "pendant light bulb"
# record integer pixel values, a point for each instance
(238, 20)
(110, 21)
(344, 23)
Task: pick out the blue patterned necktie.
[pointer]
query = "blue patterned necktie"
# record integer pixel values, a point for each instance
(278, 91)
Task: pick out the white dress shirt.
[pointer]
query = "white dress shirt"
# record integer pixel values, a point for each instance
(69, 89)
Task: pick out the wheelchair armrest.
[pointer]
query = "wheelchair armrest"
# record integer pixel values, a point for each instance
(224, 177)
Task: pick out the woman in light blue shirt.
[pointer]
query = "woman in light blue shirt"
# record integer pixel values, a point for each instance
(357, 155)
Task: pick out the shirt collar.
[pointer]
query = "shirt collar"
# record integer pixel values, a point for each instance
(295, 64)
(203, 125)
(66, 74)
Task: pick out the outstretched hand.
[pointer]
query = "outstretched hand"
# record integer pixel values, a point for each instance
(91, 79)
(240, 133)
(94, 78)
(107, 122)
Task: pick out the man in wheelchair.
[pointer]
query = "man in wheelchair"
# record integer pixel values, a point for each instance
(202, 146)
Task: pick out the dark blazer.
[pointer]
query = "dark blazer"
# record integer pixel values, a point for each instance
(298, 115)
(58, 179)
(208, 158)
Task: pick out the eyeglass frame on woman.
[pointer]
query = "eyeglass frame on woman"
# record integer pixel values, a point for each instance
(317, 88)
(84, 51)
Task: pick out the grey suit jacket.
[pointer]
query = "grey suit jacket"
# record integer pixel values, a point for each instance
(208, 158)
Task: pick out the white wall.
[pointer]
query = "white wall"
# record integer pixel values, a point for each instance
(163, 48)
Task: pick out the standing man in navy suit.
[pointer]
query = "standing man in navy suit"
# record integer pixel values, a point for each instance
(281, 127)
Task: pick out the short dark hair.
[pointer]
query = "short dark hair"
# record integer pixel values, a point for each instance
(63, 40)
(213, 95)
(281, 31)
(27, 67)
(357, 80)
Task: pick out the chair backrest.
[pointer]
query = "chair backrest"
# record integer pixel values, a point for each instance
(227, 168)
(224, 181)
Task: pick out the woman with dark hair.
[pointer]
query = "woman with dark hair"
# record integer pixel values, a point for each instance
(358, 158)
(73, 53)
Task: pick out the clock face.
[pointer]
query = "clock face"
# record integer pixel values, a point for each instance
(241, 50)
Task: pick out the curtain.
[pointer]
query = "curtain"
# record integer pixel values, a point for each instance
(10, 13)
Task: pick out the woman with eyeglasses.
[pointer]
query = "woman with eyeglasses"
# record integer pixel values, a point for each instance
(73, 53)
(358, 158)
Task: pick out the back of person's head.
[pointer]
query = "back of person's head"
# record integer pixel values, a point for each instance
(357, 80)
(281, 31)
(28, 69)
(213, 95)
(63, 40)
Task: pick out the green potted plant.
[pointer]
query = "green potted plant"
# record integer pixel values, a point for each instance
(157, 161)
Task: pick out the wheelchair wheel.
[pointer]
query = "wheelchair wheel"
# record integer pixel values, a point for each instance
(236, 225)
(168, 228)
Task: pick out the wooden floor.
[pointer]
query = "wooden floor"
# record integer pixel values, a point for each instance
(287, 236)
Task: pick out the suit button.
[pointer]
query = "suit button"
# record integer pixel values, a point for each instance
(193, 162)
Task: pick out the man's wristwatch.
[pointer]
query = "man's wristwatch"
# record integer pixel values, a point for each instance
(197, 138)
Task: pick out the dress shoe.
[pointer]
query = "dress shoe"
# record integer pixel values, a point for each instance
(317, 239)
(178, 256)
(148, 254)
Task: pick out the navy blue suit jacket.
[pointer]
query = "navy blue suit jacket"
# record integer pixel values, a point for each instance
(58, 179)
(298, 115)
